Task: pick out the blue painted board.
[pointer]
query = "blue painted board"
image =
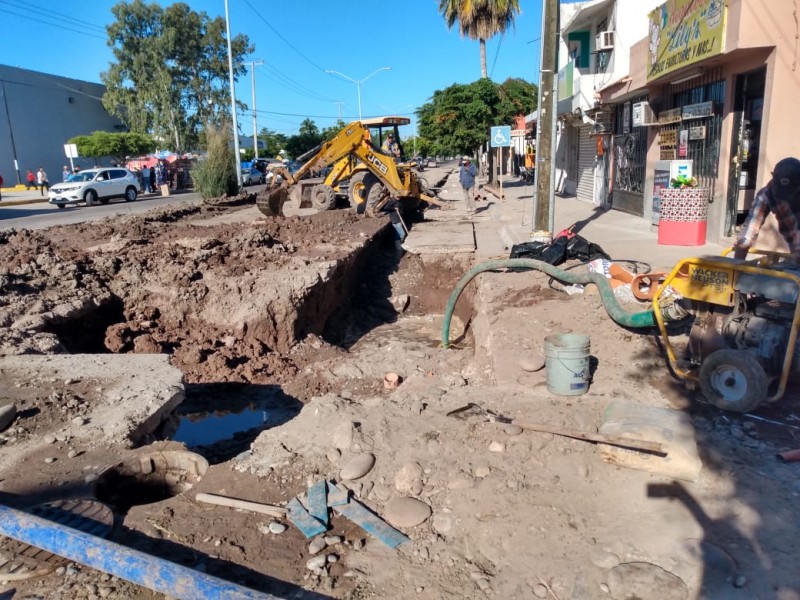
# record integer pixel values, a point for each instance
(301, 519)
(318, 501)
(336, 496)
(371, 523)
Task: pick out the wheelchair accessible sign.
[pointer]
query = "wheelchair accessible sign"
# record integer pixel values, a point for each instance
(501, 136)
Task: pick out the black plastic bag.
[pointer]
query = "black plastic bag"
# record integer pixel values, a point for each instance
(579, 248)
(553, 253)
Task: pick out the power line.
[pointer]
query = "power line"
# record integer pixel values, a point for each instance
(57, 25)
(288, 83)
(496, 54)
(278, 33)
(50, 13)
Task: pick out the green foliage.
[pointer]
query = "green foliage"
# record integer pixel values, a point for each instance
(682, 181)
(308, 137)
(457, 119)
(119, 146)
(330, 132)
(215, 175)
(170, 74)
(275, 142)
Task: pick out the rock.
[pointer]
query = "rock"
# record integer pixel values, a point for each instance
(332, 540)
(358, 544)
(79, 421)
(639, 579)
(357, 467)
(334, 455)
(540, 590)
(603, 559)
(460, 482)
(91, 477)
(406, 512)
(400, 303)
(497, 447)
(442, 523)
(104, 591)
(50, 459)
(342, 435)
(317, 545)
(316, 563)
(408, 480)
(346, 394)
(482, 471)
(277, 528)
(72, 454)
(513, 429)
(532, 362)
(8, 412)
(483, 583)
(49, 438)
(332, 558)
(740, 581)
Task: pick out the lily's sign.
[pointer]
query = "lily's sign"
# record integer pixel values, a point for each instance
(683, 32)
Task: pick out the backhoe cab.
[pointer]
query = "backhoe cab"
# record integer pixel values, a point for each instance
(372, 176)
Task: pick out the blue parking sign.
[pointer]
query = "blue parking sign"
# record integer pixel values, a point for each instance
(501, 136)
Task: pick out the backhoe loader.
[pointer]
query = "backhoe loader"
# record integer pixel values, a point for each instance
(371, 187)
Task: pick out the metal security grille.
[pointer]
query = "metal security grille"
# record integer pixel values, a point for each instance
(630, 150)
(586, 163)
(704, 153)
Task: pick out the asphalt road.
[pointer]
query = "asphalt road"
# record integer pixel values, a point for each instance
(40, 215)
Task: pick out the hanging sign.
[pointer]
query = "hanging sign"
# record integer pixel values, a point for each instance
(683, 146)
(668, 138)
(667, 154)
(683, 32)
(674, 115)
(697, 133)
(697, 111)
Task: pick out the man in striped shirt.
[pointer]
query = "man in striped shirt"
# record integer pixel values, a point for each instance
(781, 197)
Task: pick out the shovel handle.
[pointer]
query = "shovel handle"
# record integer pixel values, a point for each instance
(597, 438)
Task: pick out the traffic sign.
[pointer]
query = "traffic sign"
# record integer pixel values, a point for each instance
(501, 136)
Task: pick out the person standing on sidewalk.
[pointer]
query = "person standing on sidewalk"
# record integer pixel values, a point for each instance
(30, 180)
(466, 177)
(41, 181)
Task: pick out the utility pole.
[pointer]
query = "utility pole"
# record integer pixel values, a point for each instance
(546, 126)
(234, 118)
(253, 64)
(340, 108)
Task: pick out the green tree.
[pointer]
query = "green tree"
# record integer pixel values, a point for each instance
(170, 74)
(330, 132)
(457, 119)
(118, 146)
(480, 19)
(275, 142)
(307, 138)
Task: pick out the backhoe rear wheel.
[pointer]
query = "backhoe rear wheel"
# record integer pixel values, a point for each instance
(374, 196)
(733, 380)
(364, 190)
(323, 197)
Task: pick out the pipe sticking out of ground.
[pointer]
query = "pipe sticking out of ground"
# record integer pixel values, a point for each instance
(143, 569)
(641, 319)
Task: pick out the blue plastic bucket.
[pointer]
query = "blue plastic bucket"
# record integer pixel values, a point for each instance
(567, 362)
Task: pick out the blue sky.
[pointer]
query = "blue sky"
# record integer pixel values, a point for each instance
(297, 41)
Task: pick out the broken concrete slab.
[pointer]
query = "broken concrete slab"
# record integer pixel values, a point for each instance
(441, 238)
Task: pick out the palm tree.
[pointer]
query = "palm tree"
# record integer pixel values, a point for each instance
(480, 19)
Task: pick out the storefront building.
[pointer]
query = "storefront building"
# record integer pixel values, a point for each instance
(716, 84)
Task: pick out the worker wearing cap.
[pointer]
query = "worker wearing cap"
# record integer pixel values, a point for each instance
(466, 177)
(390, 146)
(781, 197)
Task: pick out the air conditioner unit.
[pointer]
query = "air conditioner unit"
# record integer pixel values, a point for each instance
(642, 115)
(604, 41)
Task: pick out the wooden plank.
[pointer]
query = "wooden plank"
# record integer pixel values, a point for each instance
(371, 523)
(301, 519)
(318, 502)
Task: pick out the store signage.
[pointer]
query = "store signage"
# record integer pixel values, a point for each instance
(683, 32)
(675, 115)
(683, 146)
(626, 118)
(697, 111)
(668, 154)
(697, 133)
(667, 138)
(566, 78)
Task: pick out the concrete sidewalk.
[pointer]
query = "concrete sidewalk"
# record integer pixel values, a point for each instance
(499, 224)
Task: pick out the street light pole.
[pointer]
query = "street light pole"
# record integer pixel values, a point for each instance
(359, 82)
(237, 156)
(253, 64)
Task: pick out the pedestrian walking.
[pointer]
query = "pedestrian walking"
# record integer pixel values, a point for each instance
(41, 181)
(152, 179)
(65, 173)
(30, 180)
(466, 177)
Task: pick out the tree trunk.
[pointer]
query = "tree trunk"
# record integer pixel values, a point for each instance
(483, 58)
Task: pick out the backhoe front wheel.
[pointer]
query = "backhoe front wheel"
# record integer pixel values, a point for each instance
(323, 197)
(733, 380)
(357, 191)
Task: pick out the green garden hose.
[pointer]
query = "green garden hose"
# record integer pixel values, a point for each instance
(615, 311)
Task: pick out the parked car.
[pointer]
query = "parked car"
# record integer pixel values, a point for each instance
(251, 176)
(95, 185)
(431, 162)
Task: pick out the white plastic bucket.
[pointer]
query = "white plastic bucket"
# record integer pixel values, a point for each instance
(567, 362)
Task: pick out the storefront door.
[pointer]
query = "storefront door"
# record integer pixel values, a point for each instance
(748, 105)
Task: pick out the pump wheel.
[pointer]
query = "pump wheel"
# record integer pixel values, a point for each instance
(323, 197)
(733, 380)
